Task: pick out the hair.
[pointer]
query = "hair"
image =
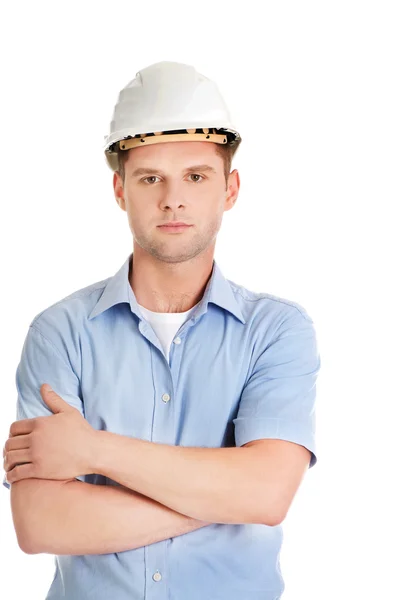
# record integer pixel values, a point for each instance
(225, 151)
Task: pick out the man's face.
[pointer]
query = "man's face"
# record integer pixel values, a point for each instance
(175, 181)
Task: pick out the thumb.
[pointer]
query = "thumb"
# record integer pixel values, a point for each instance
(52, 399)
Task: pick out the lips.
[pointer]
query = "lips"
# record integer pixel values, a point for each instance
(175, 224)
(174, 228)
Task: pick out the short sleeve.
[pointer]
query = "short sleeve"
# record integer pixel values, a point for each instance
(42, 362)
(278, 400)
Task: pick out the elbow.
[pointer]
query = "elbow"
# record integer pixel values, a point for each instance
(273, 516)
(26, 546)
(25, 540)
(273, 520)
(24, 515)
(24, 537)
(275, 511)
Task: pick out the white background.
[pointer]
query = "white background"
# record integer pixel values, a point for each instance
(313, 87)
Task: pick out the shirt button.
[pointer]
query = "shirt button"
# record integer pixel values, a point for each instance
(157, 576)
(166, 397)
(177, 340)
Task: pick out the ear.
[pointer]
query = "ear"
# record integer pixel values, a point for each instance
(119, 190)
(233, 189)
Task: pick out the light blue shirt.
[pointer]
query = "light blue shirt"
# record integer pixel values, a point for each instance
(243, 367)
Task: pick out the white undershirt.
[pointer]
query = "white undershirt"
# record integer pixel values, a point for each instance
(165, 325)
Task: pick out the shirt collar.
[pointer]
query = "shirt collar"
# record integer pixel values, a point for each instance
(118, 290)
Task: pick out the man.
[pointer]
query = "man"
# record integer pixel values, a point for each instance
(181, 419)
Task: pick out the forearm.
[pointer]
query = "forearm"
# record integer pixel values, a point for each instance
(218, 485)
(81, 518)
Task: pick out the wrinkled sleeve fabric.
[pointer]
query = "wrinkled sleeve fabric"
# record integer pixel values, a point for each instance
(42, 362)
(278, 400)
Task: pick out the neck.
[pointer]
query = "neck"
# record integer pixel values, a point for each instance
(169, 287)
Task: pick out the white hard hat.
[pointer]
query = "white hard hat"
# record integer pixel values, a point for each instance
(168, 101)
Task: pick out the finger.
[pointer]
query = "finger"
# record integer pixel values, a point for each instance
(17, 442)
(15, 457)
(20, 472)
(22, 427)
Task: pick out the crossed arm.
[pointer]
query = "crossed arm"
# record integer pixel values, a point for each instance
(73, 517)
(177, 490)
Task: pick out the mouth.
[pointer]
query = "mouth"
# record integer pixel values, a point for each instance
(174, 228)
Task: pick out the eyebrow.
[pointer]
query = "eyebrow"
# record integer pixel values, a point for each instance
(192, 169)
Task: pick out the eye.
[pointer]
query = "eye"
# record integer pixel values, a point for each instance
(196, 175)
(150, 177)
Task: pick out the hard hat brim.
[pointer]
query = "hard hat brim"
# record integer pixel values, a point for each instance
(174, 137)
(216, 136)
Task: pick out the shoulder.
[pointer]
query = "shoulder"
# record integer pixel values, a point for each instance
(266, 307)
(63, 319)
(279, 325)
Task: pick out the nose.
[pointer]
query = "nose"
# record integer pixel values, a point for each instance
(172, 197)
